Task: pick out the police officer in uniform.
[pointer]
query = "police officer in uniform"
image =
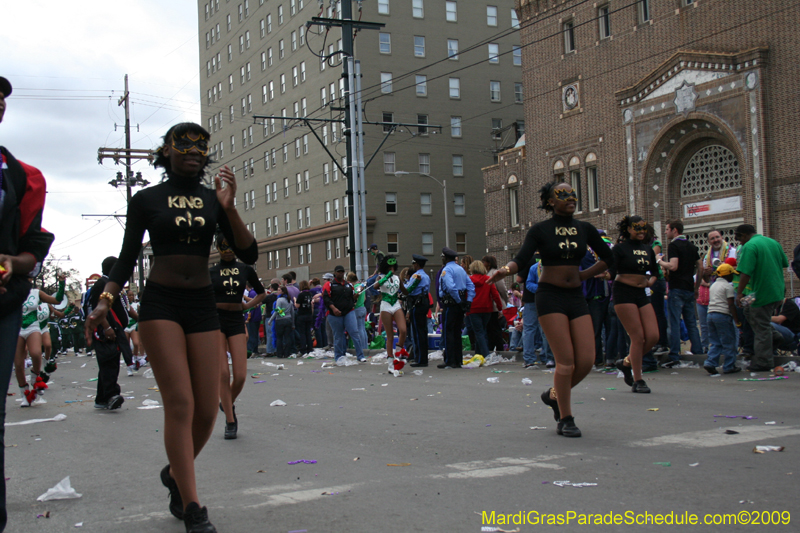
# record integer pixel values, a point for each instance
(456, 292)
(418, 303)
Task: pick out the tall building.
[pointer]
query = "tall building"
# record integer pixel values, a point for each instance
(662, 108)
(453, 64)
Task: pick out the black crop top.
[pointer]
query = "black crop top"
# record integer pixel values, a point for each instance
(633, 257)
(229, 279)
(561, 241)
(181, 219)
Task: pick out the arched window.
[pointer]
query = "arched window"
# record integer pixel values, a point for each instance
(712, 168)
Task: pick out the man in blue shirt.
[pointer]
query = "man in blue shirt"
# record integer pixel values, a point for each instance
(417, 289)
(456, 292)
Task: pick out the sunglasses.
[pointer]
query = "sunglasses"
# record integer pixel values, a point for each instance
(184, 143)
(639, 226)
(565, 195)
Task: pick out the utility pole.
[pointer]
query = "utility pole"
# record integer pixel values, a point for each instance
(128, 154)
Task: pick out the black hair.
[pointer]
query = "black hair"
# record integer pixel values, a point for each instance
(274, 286)
(545, 193)
(177, 130)
(385, 266)
(676, 224)
(745, 229)
(491, 260)
(287, 277)
(108, 264)
(650, 235)
(626, 223)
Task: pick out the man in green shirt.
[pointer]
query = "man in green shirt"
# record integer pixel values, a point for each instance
(761, 263)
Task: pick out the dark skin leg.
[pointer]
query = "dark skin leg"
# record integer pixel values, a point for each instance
(187, 372)
(33, 345)
(642, 328)
(573, 352)
(229, 391)
(386, 320)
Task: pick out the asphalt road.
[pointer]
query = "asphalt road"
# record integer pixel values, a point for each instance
(428, 453)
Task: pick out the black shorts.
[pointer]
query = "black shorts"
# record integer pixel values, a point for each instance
(552, 299)
(195, 310)
(231, 322)
(625, 294)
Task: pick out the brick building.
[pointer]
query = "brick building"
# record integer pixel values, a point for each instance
(663, 108)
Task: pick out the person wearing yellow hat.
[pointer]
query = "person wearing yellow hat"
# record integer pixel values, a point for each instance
(721, 322)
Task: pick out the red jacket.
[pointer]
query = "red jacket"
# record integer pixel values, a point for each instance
(485, 293)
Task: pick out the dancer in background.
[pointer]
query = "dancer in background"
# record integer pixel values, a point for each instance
(178, 319)
(229, 278)
(563, 312)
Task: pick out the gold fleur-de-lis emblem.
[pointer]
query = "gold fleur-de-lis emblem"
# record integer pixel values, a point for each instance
(190, 222)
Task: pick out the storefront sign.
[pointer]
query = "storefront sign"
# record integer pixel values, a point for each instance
(712, 207)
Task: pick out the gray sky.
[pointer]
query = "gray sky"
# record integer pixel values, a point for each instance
(67, 62)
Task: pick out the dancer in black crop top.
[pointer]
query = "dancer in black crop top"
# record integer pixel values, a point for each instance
(178, 322)
(563, 312)
(635, 268)
(229, 279)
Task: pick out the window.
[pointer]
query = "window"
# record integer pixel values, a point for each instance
(427, 244)
(299, 185)
(288, 257)
(451, 11)
(293, 7)
(514, 19)
(228, 22)
(494, 53)
(230, 53)
(497, 128)
(424, 163)
(275, 231)
(461, 243)
(455, 126)
(250, 106)
(294, 77)
(269, 57)
(392, 244)
(280, 15)
(269, 23)
(335, 171)
(285, 153)
(266, 193)
(286, 187)
(303, 74)
(302, 32)
(459, 209)
(283, 84)
(252, 199)
(516, 55)
(594, 193)
(247, 39)
(419, 46)
(458, 165)
(246, 8)
(287, 222)
(280, 49)
(575, 181)
(328, 249)
(325, 134)
(518, 93)
(513, 203)
(327, 213)
(241, 13)
(391, 203)
(388, 162)
(387, 117)
(269, 254)
(494, 91)
(383, 9)
(233, 143)
(644, 11)
(274, 184)
(247, 200)
(241, 44)
(277, 258)
(306, 180)
(345, 207)
(241, 75)
(452, 49)
(569, 36)
(455, 87)
(491, 15)
(425, 203)
(422, 120)
(417, 9)
(271, 91)
(386, 82)
(422, 85)
(308, 220)
(308, 252)
(301, 254)
(604, 20)
(262, 28)
(326, 174)
(294, 41)
(336, 209)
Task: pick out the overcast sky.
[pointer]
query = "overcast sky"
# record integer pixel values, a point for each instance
(67, 62)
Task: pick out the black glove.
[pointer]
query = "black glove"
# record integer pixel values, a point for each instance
(465, 305)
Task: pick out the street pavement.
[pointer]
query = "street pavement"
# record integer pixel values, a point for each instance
(431, 453)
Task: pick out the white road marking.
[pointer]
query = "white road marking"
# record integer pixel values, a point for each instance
(301, 496)
(502, 466)
(717, 437)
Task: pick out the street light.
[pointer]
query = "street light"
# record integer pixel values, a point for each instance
(443, 183)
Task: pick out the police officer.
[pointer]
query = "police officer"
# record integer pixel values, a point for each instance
(456, 292)
(418, 302)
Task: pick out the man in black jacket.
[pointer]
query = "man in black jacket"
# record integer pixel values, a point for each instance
(339, 299)
(23, 247)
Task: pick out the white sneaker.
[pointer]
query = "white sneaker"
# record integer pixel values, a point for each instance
(130, 369)
(39, 400)
(22, 393)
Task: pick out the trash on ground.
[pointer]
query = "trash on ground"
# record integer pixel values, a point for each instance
(346, 360)
(273, 365)
(538, 427)
(418, 372)
(653, 409)
(494, 359)
(764, 449)
(150, 402)
(731, 432)
(493, 380)
(527, 381)
(473, 362)
(399, 464)
(260, 381)
(571, 484)
(148, 374)
(92, 379)
(62, 491)
(304, 461)
(611, 388)
(277, 403)
(746, 417)
(663, 463)
(770, 423)
(58, 418)
(694, 464)
(774, 378)
(492, 529)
